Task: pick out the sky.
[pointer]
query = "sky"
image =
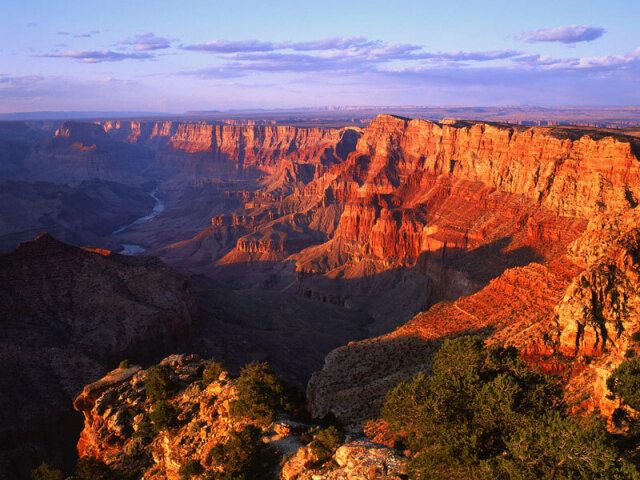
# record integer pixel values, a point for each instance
(174, 56)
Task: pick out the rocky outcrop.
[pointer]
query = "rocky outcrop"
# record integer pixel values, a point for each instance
(82, 151)
(116, 413)
(594, 322)
(573, 317)
(355, 460)
(402, 170)
(67, 315)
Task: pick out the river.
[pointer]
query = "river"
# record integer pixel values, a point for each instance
(158, 208)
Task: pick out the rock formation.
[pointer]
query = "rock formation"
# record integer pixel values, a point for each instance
(116, 413)
(233, 149)
(536, 187)
(81, 215)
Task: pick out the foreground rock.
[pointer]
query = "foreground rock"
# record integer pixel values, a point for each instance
(355, 460)
(117, 409)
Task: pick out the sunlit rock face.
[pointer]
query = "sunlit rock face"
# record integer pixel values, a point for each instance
(238, 149)
(416, 188)
(116, 407)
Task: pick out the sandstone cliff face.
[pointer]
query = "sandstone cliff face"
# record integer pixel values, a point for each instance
(239, 149)
(416, 187)
(67, 314)
(573, 317)
(402, 170)
(83, 151)
(598, 314)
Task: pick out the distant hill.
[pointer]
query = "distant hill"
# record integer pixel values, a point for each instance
(61, 115)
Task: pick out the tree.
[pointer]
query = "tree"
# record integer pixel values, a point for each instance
(192, 467)
(92, 469)
(261, 395)
(243, 456)
(163, 415)
(326, 442)
(478, 412)
(212, 372)
(560, 447)
(46, 472)
(158, 383)
(624, 382)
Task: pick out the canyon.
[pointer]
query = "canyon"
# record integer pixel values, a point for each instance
(343, 256)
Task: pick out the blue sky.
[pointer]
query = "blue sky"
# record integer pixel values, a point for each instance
(173, 56)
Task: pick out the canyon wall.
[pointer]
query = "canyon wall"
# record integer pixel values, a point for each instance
(508, 208)
(404, 170)
(248, 149)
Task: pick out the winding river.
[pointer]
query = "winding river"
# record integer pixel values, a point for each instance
(158, 208)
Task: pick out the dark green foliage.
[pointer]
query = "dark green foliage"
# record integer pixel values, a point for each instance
(483, 414)
(261, 395)
(326, 442)
(46, 472)
(192, 467)
(124, 364)
(624, 382)
(163, 416)
(212, 371)
(636, 337)
(92, 469)
(560, 447)
(244, 456)
(158, 384)
(630, 353)
(145, 431)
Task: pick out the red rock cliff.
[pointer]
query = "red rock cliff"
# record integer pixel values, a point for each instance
(253, 148)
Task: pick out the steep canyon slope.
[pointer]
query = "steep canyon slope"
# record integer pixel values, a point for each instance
(543, 187)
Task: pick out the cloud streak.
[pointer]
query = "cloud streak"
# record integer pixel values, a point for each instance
(247, 46)
(79, 35)
(569, 34)
(97, 56)
(148, 41)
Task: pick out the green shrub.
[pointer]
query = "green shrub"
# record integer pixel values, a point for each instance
(158, 383)
(212, 372)
(192, 467)
(482, 413)
(243, 456)
(124, 364)
(326, 442)
(261, 395)
(144, 432)
(46, 472)
(624, 382)
(163, 416)
(92, 469)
